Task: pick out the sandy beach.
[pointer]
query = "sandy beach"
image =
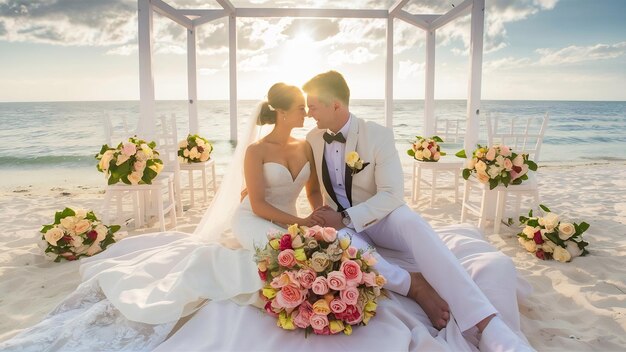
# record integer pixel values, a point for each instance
(576, 306)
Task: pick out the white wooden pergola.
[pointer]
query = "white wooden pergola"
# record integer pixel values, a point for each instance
(193, 18)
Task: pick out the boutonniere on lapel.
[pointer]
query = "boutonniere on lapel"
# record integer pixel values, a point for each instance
(355, 163)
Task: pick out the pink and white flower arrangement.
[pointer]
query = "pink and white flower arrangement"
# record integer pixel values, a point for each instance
(194, 149)
(132, 162)
(426, 149)
(75, 233)
(316, 281)
(547, 237)
(496, 165)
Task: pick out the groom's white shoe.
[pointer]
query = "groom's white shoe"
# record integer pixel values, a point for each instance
(498, 337)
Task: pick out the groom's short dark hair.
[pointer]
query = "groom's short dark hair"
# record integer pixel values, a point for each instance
(328, 86)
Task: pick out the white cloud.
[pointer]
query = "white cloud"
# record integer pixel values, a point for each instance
(357, 56)
(408, 69)
(253, 63)
(574, 54)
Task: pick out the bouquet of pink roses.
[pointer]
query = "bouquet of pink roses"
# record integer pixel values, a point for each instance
(426, 149)
(318, 282)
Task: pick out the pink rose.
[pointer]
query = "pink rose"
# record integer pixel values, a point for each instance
(505, 151)
(311, 231)
(324, 331)
(369, 279)
(337, 306)
(301, 320)
(320, 286)
(306, 277)
(129, 149)
(139, 165)
(285, 242)
(319, 322)
(289, 296)
(269, 310)
(352, 315)
(336, 280)
(352, 271)
(287, 258)
(519, 160)
(508, 164)
(329, 234)
(349, 296)
(352, 252)
(491, 154)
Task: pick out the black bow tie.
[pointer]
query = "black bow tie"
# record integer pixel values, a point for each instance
(329, 138)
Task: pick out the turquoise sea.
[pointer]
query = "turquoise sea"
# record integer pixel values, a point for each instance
(67, 135)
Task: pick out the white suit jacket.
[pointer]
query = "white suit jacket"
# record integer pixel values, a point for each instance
(378, 188)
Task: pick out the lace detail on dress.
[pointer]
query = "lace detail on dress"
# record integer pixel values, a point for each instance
(87, 321)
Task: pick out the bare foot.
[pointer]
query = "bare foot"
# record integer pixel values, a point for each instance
(425, 295)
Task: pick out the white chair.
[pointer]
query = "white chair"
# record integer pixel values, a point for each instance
(523, 135)
(156, 198)
(167, 137)
(203, 167)
(450, 131)
(112, 133)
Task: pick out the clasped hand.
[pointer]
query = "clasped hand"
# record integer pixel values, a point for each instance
(326, 216)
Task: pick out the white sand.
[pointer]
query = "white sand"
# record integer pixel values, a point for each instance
(579, 305)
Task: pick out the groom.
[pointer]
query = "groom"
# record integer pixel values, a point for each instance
(362, 179)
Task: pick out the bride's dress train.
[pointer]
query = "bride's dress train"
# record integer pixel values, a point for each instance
(134, 293)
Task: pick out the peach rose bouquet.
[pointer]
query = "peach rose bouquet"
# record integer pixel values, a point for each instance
(426, 149)
(318, 282)
(194, 149)
(75, 233)
(497, 165)
(547, 237)
(132, 162)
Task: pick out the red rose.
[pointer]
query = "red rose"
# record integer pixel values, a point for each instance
(285, 242)
(324, 331)
(540, 254)
(263, 275)
(92, 235)
(537, 237)
(199, 149)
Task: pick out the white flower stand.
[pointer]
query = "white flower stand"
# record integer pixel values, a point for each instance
(203, 167)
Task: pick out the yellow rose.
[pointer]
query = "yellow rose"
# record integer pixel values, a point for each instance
(269, 292)
(262, 266)
(80, 213)
(200, 141)
(157, 167)
(293, 230)
(344, 242)
(530, 246)
(299, 254)
(53, 235)
(285, 321)
(321, 307)
(275, 244)
(561, 254)
(380, 280)
(370, 306)
(182, 144)
(367, 316)
(336, 326)
(352, 158)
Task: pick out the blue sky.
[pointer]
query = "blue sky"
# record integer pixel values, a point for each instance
(534, 49)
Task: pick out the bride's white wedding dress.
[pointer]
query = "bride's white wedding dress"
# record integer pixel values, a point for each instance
(134, 293)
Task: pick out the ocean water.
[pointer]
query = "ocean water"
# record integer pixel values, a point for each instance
(67, 135)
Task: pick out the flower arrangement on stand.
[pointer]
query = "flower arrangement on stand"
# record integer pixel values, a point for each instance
(426, 149)
(496, 165)
(75, 233)
(132, 162)
(547, 237)
(318, 282)
(194, 149)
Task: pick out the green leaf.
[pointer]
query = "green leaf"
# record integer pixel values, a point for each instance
(113, 180)
(152, 145)
(148, 175)
(442, 153)
(45, 228)
(114, 228)
(411, 152)
(522, 219)
(544, 208)
(532, 222)
(62, 214)
(104, 149)
(461, 154)
(531, 165)
(555, 238)
(466, 173)
(437, 139)
(582, 227)
(91, 216)
(493, 183)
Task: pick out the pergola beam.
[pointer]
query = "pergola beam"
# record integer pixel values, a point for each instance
(166, 10)
(311, 13)
(227, 5)
(459, 10)
(397, 7)
(413, 19)
(207, 17)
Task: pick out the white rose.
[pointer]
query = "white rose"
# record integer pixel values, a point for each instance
(481, 166)
(135, 177)
(427, 153)
(81, 250)
(105, 160)
(550, 221)
(102, 231)
(93, 249)
(519, 160)
(572, 248)
(471, 163)
(548, 246)
(529, 231)
(182, 144)
(425, 144)
(561, 254)
(80, 213)
(199, 142)
(494, 171)
(566, 230)
(77, 241)
(205, 155)
(419, 155)
(53, 235)
(352, 158)
(141, 156)
(530, 246)
(82, 226)
(68, 223)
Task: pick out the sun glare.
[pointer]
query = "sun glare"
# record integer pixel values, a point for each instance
(299, 60)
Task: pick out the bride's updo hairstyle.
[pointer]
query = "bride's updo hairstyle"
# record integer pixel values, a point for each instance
(280, 96)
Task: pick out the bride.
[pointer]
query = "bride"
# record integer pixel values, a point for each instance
(175, 292)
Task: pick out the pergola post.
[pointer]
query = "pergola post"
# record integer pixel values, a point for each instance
(232, 64)
(192, 84)
(429, 88)
(146, 124)
(474, 86)
(389, 75)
